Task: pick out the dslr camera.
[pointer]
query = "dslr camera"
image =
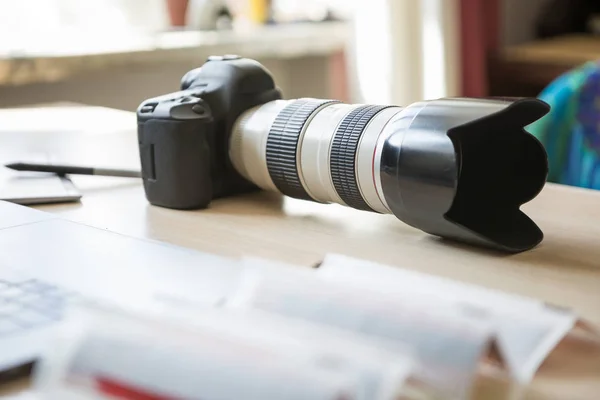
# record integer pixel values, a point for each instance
(458, 168)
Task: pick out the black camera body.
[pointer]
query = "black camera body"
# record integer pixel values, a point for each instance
(183, 136)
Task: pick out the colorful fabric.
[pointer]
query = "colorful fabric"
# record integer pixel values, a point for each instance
(571, 131)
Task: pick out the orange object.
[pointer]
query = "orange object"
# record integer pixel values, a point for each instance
(259, 10)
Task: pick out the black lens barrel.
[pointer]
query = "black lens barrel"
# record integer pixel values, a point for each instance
(282, 146)
(343, 155)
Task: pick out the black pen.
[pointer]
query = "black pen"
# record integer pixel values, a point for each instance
(68, 169)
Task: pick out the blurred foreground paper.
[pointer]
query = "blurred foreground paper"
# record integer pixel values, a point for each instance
(527, 329)
(100, 353)
(381, 366)
(447, 345)
(25, 395)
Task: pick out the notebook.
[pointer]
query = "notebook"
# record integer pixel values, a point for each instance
(28, 188)
(36, 189)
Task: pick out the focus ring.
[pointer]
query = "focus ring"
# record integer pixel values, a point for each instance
(343, 155)
(282, 146)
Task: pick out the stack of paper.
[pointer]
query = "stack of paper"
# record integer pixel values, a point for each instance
(349, 330)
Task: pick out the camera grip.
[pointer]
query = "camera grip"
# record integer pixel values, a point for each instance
(176, 166)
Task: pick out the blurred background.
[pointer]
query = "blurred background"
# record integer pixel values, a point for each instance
(116, 53)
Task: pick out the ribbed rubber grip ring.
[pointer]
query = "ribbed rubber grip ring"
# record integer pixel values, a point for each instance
(282, 146)
(343, 155)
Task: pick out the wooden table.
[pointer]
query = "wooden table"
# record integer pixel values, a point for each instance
(564, 269)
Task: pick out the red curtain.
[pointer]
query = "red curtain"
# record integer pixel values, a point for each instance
(480, 35)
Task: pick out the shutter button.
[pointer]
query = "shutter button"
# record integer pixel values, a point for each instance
(198, 109)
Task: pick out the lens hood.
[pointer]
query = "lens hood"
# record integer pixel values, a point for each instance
(461, 168)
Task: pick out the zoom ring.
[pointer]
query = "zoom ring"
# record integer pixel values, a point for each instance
(282, 146)
(343, 155)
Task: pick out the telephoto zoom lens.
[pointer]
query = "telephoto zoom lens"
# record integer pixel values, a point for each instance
(455, 168)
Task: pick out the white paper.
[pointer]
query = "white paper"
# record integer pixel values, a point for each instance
(160, 357)
(447, 344)
(25, 395)
(381, 366)
(527, 330)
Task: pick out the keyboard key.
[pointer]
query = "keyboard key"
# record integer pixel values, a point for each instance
(27, 298)
(8, 308)
(55, 310)
(45, 302)
(7, 327)
(11, 292)
(33, 285)
(29, 318)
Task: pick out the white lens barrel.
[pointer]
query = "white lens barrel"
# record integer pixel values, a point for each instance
(314, 149)
(248, 143)
(284, 145)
